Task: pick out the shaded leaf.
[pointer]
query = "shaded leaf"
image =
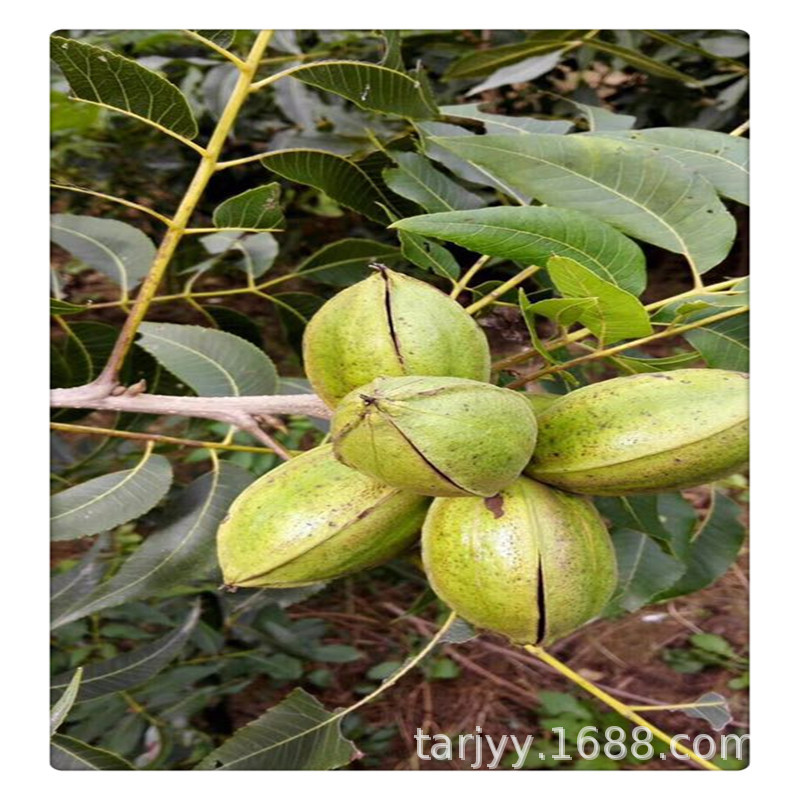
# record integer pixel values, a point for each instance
(347, 261)
(645, 195)
(258, 250)
(428, 255)
(213, 363)
(482, 62)
(500, 123)
(530, 235)
(634, 365)
(642, 62)
(521, 72)
(222, 38)
(103, 503)
(67, 753)
(118, 250)
(255, 208)
(602, 119)
(712, 548)
(236, 323)
(296, 734)
(183, 550)
(370, 86)
(644, 570)
(617, 314)
(724, 344)
(133, 667)
(339, 178)
(415, 178)
(472, 173)
(69, 588)
(722, 159)
(62, 706)
(104, 77)
(60, 307)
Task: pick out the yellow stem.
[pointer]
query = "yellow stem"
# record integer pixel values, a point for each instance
(468, 276)
(502, 289)
(677, 706)
(216, 48)
(169, 243)
(618, 706)
(743, 128)
(610, 351)
(156, 437)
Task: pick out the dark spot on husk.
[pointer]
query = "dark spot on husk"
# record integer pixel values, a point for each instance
(495, 505)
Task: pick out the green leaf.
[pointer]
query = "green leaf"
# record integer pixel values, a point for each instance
(638, 365)
(644, 570)
(101, 76)
(530, 235)
(724, 344)
(62, 706)
(236, 323)
(118, 250)
(59, 307)
(416, 179)
(713, 547)
(256, 208)
(336, 653)
(428, 131)
(371, 87)
(67, 753)
(428, 255)
(132, 668)
(296, 734)
(258, 250)
(647, 196)
(602, 119)
(339, 178)
(566, 311)
(69, 588)
(521, 72)
(392, 55)
(722, 159)
(637, 512)
(617, 315)
(180, 552)
(642, 62)
(482, 62)
(500, 123)
(222, 38)
(347, 261)
(105, 502)
(526, 308)
(213, 363)
(713, 643)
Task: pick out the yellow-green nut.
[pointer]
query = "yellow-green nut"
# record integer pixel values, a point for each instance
(313, 519)
(645, 433)
(444, 437)
(532, 563)
(390, 325)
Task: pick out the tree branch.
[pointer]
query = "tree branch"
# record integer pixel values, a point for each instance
(239, 411)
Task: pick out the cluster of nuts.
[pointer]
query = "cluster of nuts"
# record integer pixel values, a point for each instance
(422, 441)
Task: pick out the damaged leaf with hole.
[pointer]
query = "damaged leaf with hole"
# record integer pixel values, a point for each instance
(444, 437)
(532, 563)
(313, 519)
(390, 325)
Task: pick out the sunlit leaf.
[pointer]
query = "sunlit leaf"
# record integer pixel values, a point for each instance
(296, 734)
(104, 77)
(722, 159)
(212, 362)
(617, 313)
(643, 194)
(531, 234)
(103, 503)
(62, 706)
(118, 250)
(256, 208)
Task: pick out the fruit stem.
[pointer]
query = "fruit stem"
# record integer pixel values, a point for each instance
(621, 708)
